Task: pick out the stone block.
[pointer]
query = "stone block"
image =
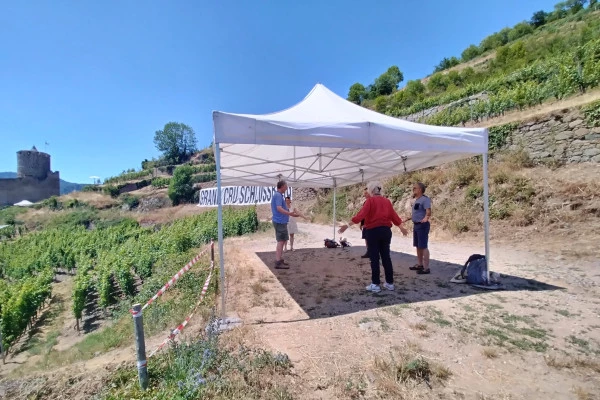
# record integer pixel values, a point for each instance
(536, 127)
(580, 132)
(592, 136)
(591, 152)
(575, 123)
(574, 159)
(596, 159)
(564, 135)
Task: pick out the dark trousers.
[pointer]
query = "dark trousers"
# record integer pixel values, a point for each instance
(378, 245)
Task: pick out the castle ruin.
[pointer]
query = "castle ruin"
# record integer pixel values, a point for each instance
(34, 182)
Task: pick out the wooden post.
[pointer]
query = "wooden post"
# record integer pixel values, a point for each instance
(140, 346)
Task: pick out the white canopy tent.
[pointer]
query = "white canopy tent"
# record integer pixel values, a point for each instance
(327, 141)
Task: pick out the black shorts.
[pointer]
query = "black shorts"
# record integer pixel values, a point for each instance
(364, 233)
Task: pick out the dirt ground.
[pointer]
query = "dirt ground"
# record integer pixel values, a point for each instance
(538, 338)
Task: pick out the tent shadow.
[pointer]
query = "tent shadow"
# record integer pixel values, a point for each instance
(331, 282)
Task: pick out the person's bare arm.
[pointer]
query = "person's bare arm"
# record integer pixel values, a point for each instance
(284, 211)
(427, 215)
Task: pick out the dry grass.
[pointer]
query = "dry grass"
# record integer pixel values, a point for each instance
(583, 394)
(535, 199)
(99, 201)
(407, 371)
(490, 352)
(573, 363)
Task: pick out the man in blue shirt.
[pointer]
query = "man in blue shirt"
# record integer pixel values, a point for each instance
(281, 216)
(421, 213)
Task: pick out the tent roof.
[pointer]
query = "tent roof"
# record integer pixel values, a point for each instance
(326, 140)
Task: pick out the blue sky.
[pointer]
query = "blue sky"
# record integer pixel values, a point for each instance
(96, 79)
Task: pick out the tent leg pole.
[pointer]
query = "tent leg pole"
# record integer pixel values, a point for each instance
(486, 213)
(334, 210)
(220, 228)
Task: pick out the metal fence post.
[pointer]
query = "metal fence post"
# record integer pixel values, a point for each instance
(1, 346)
(140, 346)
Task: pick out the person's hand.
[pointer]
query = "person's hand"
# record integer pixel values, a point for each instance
(404, 231)
(294, 214)
(426, 219)
(342, 229)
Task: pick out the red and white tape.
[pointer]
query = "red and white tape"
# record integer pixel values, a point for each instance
(175, 278)
(177, 330)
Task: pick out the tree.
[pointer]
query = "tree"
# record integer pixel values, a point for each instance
(437, 83)
(539, 18)
(574, 6)
(414, 88)
(470, 53)
(176, 141)
(446, 63)
(519, 30)
(181, 189)
(357, 93)
(381, 104)
(387, 82)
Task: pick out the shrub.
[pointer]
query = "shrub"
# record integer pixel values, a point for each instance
(112, 191)
(474, 192)
(592, 114)
(499, 134)
(161, 182)
(130, 200)
(205, 177)
(180, 187)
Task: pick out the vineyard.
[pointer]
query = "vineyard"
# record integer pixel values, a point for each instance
(108, 260)
(554, 61)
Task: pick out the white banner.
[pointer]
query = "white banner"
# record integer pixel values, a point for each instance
(239, 195)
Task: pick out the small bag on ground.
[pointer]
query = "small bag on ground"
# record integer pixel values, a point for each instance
(331, 244)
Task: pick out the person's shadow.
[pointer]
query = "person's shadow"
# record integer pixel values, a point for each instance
(330, 282)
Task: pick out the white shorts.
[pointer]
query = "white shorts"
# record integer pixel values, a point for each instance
(292, 226)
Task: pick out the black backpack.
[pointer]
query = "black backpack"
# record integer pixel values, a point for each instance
(331, 244)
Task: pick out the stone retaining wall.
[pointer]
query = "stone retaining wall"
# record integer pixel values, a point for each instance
(562, 136)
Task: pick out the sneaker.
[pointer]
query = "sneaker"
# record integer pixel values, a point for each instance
(416, 267)
(424, 271)
(388, 286)
(366, 255)
(373, 288)
(280, 265)
(283, 262)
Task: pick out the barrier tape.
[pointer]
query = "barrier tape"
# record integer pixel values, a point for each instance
(177, 330)
(175, 277)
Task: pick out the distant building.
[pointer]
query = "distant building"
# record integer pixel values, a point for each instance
(34, 182)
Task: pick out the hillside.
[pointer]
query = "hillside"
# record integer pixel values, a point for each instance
(552, 57)
(65, 187)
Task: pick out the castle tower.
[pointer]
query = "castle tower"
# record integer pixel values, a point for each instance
(33, 163)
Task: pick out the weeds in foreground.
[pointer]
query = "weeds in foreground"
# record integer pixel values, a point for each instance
(405, 369)
(206, 369)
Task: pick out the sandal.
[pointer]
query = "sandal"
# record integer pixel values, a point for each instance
(424, 271)
(416, 267)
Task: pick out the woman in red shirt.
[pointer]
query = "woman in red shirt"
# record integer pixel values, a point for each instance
(379, 216)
